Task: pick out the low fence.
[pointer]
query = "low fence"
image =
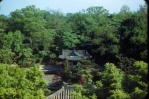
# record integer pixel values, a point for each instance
(63, 93)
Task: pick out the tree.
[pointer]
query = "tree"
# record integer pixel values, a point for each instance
(64, 37)
(76, 72)
(111, 82)
(83, 26)
(3, 23)
(136, 83)
(6, 56)
(124, 13)
(52, 57)
(12, 43)
(105, 39)
(83, 93)
(119, 94)
(138, 94)
(78, 93)
(133, 35)
(66, 40)
(87, 76)
(19, 83)
(125, 63)
(32, 24)
(66, 67)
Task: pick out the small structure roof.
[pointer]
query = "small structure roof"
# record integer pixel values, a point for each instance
(74, 55)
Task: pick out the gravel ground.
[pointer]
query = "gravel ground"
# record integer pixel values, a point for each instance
(48, 78)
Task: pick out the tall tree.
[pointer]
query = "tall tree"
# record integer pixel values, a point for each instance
(64, 37)
(134, 35)
(136, 83)
(84, 26)
(30, 21)
(3, 24)
(32, 24)
(19, 83)
(12, 43)
(112, 82)
(105, 37)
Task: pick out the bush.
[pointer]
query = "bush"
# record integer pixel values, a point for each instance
(52, 57)
(25, 63)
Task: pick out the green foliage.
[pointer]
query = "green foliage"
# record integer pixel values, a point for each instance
(104, 36)
(14, 41)
(136, 83)
(27, 52)
(81, 93)
(76, 71)
(141, 68)
(119, 94)
(93, 97)
(52, 57)
(63, 36)
(124, 13)
(87, 63)
(78, 92)
(25, 63)
(66, 40)
(80, 73)
(138, 94)
(94, 29)
(6, 56)
(134, 34)
(115, 84)
(125, 63)
(111, 79)
(29, 34)
(78, 88)
(87, 76)
(7, 41)
(32, 26)
(144, 54)
(83, 27)
(3, 23)
(99, 84)
(66, 67)
(19, 83)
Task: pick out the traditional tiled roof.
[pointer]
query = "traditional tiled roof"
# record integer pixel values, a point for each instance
(74, 54)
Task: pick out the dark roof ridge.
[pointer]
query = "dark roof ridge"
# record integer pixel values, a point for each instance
(77, 53)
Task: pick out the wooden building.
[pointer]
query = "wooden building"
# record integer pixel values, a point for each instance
(74, 55)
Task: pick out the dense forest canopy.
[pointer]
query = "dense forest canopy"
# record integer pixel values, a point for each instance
(117, 41)
(30, 34)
